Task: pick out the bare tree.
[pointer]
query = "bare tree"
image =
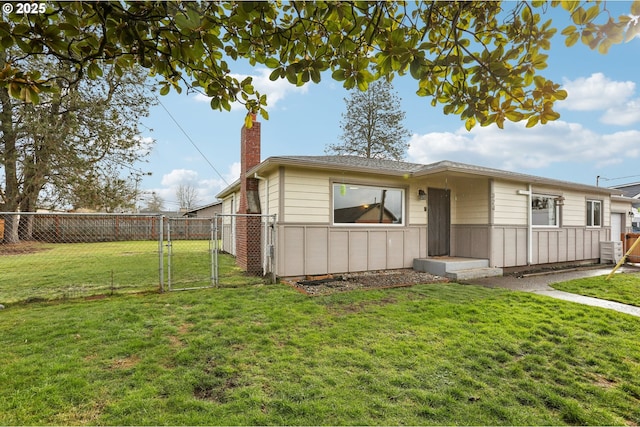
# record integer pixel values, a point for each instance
(155, 203)
(187, 196)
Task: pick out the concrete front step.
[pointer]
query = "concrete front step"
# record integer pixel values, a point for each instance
(474, 273)
(456, 268)
(443, 265)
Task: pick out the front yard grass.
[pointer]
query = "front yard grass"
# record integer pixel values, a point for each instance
(623, 288)
(265, 354)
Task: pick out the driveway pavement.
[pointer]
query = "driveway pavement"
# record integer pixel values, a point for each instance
(540, 284)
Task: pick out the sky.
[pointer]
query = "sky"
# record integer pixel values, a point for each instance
(598, 133)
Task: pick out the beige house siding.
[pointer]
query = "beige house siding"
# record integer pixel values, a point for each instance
(268, 190)
(470, 197)
(509, 207)
(228, 223)
(308, 249)
(489, 220)
(305, 196)
(416, 209)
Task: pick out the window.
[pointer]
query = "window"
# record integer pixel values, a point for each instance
(361, 204)
(594, 213)
(545, 211)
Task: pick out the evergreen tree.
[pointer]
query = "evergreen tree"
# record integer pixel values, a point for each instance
(372, 124)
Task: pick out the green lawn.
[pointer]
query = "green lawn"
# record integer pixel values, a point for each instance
(624, 288)
(70, 270)
(268, 355)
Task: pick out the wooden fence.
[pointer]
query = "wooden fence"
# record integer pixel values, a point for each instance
(628, 240)
(85, 228)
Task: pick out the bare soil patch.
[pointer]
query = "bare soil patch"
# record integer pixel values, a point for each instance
(331, 284)
(21, 248)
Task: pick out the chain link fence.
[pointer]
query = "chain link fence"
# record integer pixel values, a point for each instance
(46, 256)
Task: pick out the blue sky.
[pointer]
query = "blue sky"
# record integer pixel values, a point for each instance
(598, 132)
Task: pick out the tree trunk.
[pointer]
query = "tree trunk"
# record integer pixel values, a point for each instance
(8, 143)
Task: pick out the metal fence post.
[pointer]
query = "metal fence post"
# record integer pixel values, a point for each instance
(161, 252)
(214, 260)
(169, 253)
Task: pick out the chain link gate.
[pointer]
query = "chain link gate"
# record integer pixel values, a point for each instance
(251, 239)
(189, 255)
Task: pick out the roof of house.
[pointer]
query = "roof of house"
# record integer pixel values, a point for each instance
(199, 208)
(405, 169)
(354, 213)
(629, 190)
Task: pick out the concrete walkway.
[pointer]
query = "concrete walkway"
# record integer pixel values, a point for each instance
(539, 284)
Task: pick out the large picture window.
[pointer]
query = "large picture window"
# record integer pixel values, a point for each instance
(545, 211)
(594, 213)
(363, 204)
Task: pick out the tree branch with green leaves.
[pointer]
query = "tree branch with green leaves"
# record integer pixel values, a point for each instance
(491, 75)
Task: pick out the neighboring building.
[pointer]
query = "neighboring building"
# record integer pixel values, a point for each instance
(444, 209)
(632, 191)
(206, 211)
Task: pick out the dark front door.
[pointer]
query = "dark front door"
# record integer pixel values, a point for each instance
(439, 207)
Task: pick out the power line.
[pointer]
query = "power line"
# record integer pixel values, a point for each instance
(191, 141)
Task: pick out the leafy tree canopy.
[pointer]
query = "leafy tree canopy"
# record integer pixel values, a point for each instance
(480, 60)
(372, 124)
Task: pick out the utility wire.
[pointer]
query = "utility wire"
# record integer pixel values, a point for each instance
(191, 141)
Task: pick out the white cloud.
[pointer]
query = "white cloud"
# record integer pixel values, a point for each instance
(275, 90)
(599, 93)
(519, 149)
(206, 188)
(623, 115)
(179, 176)
(596, 93)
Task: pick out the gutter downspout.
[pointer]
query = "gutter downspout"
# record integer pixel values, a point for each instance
(529, 194)
(530, 229)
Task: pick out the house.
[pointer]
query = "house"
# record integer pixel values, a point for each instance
(413, 211)
(632, 191)
(206, 211)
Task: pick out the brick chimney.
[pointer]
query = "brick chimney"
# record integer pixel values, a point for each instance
(248, 229)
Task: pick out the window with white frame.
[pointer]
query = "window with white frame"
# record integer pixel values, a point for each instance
(367, 205)
(545, 211)
(594, 213)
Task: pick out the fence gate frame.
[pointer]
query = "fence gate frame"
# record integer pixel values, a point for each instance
(169, 242)
(268, 242)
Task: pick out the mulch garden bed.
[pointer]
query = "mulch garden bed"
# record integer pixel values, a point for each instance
(327, 285)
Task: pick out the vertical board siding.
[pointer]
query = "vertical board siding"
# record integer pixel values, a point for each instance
(316, 249)
(549, 245)
(395, 249)
(377, 250)
(307, 249)
(470, 241)
(338, 250)
(358, 256)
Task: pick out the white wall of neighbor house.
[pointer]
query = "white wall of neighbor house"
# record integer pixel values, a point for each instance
(623, 208)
